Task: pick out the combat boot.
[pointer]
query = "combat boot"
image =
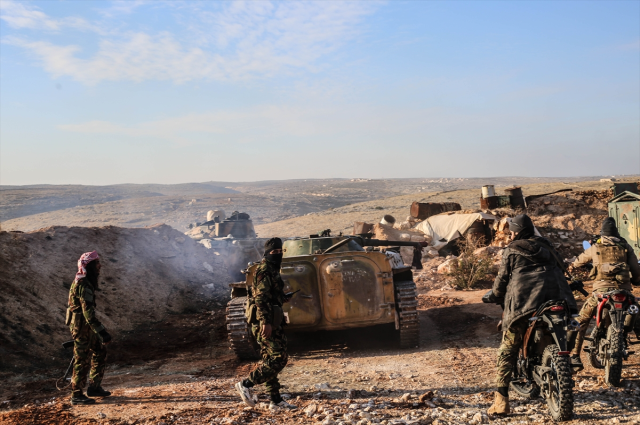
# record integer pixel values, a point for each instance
(500, 405)
(81, 399)
(97, 392)
(245, 393)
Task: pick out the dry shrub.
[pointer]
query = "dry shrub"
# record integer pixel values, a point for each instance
(470, 268)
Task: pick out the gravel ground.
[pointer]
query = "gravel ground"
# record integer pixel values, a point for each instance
(344, 377)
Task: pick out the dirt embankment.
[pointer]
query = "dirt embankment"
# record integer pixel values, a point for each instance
(147, 274)
(569, 218)
(341, 219)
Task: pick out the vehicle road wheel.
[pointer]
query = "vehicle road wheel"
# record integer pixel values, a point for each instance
(407, 310)
(560, 395)
(613, 365)
(594, 357)
(242, 341)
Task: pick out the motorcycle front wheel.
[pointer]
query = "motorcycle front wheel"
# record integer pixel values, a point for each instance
(594, 351)
(526, 389)
(559, 394)
(613, 365)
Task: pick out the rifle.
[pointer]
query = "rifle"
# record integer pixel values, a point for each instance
(66, 345)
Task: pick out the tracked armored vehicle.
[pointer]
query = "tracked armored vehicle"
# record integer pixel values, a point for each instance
(233, 238)
(343, 282)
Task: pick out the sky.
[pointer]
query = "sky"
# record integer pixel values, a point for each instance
(108, 92)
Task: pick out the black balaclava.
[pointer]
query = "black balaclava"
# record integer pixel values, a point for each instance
(609, 228)
(270, 245)
(93, 273)
(523, 226)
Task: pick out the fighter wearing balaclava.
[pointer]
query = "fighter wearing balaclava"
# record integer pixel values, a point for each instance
(266, 296)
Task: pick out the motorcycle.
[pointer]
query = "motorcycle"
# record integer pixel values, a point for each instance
(543, 366)
(609, 341)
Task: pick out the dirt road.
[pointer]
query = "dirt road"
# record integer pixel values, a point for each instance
(180, 371)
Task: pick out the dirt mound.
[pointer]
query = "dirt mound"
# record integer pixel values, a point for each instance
(147, 273)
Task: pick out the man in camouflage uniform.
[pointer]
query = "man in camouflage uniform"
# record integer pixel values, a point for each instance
(615, 266)
(266, 297)
(89, 336)
(529, 276)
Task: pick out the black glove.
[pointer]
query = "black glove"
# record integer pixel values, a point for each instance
(489, 298)
(577, 285)
(106, 338)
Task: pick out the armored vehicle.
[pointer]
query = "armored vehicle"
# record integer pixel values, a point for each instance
(233, 238)
(343, 282)
(625, 209)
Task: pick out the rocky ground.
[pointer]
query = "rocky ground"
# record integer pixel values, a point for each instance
(186, 375)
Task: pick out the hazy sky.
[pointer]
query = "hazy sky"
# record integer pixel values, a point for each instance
(99, 92)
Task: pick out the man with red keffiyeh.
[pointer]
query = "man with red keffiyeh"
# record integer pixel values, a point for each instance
(89, 336)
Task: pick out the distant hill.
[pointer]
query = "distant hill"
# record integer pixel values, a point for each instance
(138, 205)
(21, 201)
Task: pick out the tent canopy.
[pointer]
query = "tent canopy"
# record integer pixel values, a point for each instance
(443, 228)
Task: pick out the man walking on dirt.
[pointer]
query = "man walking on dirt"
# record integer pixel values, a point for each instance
(89, 336)
(615, 266)
(265, 299)
(528, 277)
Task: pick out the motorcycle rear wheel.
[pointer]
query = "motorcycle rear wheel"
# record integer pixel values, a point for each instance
(613, 365)
(560, 396)
(594, 358)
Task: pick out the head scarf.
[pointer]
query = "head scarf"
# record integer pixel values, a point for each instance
(523, 226)
(85, 259)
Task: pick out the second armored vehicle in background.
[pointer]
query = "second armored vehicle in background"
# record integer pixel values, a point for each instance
(233, 238)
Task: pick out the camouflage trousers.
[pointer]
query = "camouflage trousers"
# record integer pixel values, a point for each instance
(508, 352)
(274, 358)
(89, 359)
(586, 314)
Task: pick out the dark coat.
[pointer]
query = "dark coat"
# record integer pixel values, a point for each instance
(529, 275)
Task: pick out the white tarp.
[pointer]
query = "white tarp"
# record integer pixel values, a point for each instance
(443, 228)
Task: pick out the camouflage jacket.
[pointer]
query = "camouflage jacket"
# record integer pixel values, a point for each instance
(82, 300)
(267, 290)
(590, 255)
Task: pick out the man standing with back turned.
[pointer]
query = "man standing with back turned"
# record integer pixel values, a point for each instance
(266, 297)
(615, 266)
(528, 277)
(89, 336)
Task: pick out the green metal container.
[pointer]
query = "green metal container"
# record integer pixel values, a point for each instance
(625, 209)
